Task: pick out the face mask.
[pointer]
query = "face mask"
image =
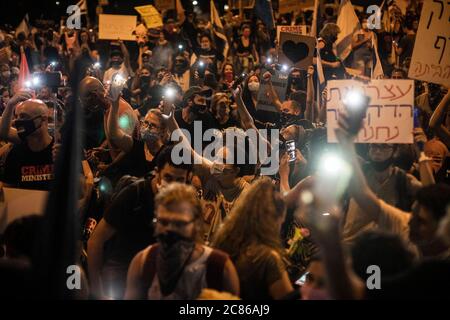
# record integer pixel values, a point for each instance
(25, 127)
(198, 109)
(145, 79)
(228, 76)
(253, 86)
(181, 67)
(148, 136)
(210, 80)
(6, 74)
(116, 64)
(175, 252)
(381, 165)
(295, 81)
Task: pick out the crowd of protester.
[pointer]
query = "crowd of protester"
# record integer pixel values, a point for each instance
(154, 228)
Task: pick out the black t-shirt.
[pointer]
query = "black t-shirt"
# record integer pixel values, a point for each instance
(407, 44)
(27, 169)
(131, 215)
(207, 122)
(134, 162)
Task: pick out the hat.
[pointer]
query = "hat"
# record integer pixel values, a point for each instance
(153, 33)
(196, 90)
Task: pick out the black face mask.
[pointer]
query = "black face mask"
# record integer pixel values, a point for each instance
(296, 81)
(145, 80)
(25, 127)
(116, 64)
(198, 109)
(380, 166)
(175, 252)
(181, 67)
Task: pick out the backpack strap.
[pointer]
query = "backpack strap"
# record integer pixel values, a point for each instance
(214, 269)
(149, 270)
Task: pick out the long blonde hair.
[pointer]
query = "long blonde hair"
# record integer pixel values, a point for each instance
(252, 220)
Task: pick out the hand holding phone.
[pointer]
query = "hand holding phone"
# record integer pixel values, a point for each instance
(356, 105)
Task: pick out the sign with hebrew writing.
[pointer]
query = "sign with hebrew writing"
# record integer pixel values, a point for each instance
(150, 15)
(431, 56)
(113, 27)
(389, 118)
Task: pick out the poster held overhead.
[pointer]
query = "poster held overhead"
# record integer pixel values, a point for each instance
(296, 50)
(113, 27)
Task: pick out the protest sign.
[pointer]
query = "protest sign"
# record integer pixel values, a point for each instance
(431, 56)
(113, 27)
(286, 6)
(279, 82)
(20, 203)
(151, 16)
(291, 29)
(296, 50)
(389, 118)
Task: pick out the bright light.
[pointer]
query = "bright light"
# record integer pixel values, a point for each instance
(194, 3)
(180, 46)
(124, 122)
(28, 84)
(169, 93)
(269, 60)
(97, 65)
(284, 67)
(226, 7)
(57, 3)
(201, 64)
(243, 74)
(325, 214)
(354, 99)
(53, 63)
(332, 165)
(35, 81)
(307, 197)
(119, 80)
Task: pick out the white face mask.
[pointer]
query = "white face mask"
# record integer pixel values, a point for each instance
(253, 86)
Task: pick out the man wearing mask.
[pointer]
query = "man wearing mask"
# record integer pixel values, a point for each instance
(29, 163)
(179, 266)
(389, 183)
(195, 109)
(181, 72)
(120, 62)
(128, 224)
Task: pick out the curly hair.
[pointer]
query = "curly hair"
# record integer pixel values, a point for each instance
(329, 31)
(252, 220)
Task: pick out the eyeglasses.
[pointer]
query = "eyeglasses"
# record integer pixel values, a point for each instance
(149, 125)
(179, 224)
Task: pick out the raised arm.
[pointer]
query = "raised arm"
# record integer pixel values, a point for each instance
(311, 112)
(114, 133)
(126, 56)
(7, 133)
(438, 117)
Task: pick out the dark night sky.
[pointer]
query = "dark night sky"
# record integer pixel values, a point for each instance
(47, 9)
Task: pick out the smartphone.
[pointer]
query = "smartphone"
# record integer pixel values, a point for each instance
(290, 148)
(239, 80)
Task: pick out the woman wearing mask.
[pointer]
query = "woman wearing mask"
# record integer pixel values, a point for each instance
(227, 78)
(207, 54)
(251, 236)
(140, 154)
(221, 111)
(140, 89)
(250, 94)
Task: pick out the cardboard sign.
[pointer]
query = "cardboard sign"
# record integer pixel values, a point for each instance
(113, 27)
(164, 5)
(279, 83)
(291, 29)
(389, 118)
(296, 50)
(431, 56)
(286, 6)
(151, 16)
(20, 203)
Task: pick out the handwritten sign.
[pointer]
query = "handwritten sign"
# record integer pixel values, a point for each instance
(151, 16)
(279, 83)
(389, 118)
(431, 56)
(291, 29)
(296, 50)
(113, 27)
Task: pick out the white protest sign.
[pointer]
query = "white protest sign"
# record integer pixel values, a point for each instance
(431, 56)
(113, 27)
(291, 29)
(389, 118)
(279, 83)
(20, 203)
